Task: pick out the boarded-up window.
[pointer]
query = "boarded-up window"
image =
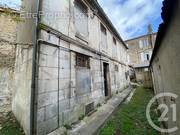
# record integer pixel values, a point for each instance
(114, 48)
(126, 75)
(81, 18)
(103, 37)
(82, 61)
(83, 79)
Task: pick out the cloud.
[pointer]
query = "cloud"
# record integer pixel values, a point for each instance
(11, 3)
(131, 17)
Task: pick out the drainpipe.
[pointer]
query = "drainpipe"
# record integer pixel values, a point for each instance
(33, 99)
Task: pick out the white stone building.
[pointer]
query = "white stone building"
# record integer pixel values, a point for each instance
(76, 62)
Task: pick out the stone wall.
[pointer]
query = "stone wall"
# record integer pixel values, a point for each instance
(60, 101)
(135, 51)
(165, 67)
(8, 30)
(143, 76)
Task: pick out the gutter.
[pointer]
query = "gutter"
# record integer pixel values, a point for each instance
(33, 103)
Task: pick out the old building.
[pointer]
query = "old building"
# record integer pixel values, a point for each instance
(165, 61)
(8, 31)
(139, 55)
(75, 60)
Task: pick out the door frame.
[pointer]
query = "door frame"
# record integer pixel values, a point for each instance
(106, 78)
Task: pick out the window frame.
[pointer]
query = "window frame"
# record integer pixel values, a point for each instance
(103, 30)
(82, 61)
(84, 8)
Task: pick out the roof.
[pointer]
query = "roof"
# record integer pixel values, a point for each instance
(106, 20)
(167, 13)
(140, 37)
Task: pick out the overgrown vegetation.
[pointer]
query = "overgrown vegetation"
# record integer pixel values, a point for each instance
(68, 127)
(130, 119)
(81, 117)
(10, 126)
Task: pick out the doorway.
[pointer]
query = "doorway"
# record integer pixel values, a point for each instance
(107, 90)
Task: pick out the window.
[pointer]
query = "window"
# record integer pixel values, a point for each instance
(140, 44)
(142, 57)
(126, 75)
(114, 48)
(116, 68)
(81, 18)
(147, 56)
(103, 37)
(146, 69)
(146, 43)
(114, 41)
(82, 61)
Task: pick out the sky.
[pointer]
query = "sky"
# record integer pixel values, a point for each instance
(130, 17)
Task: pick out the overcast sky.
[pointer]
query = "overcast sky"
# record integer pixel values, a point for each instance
(130, 17)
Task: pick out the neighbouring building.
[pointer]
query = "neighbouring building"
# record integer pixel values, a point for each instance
(139, 55)
(75, 61)
(165, 62)
(8, 32)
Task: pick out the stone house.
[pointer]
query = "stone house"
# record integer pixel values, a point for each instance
(75, 61)
(8, 32)
(139, 55)
(165, 61)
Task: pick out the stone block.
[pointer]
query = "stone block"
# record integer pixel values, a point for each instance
(51, 124)
(64, 84)
(72, 115)
(64, 73)
(64, 55)
(61, 95)
(47, 99)
(51, 111)
(61, 120)
(41, 128)
(47, 85)
(49, 50)
(48, 60)
(41, 115)
(48, 73)
(64, 105)
(64, 64)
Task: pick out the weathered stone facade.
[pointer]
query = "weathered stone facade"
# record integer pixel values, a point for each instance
(165, 61)
(70, 73)
(139, 55)
(8, 31)
(139, 47)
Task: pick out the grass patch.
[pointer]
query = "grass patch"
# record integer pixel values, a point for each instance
(10, 126)
(130, 119)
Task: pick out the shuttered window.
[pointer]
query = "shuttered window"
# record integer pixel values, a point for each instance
(81, 18)
(103, 37)
(114, 48)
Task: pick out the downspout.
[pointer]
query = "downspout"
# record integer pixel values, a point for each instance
(34, 71)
